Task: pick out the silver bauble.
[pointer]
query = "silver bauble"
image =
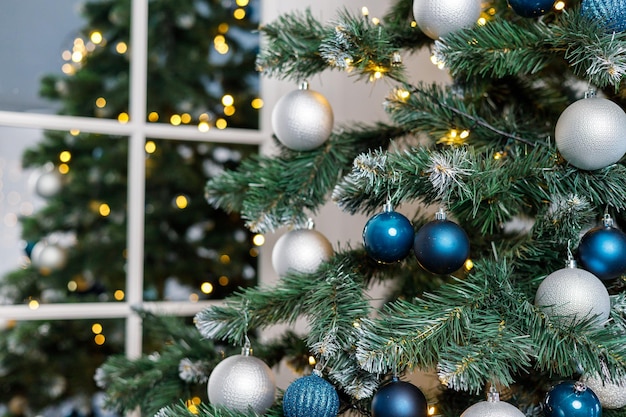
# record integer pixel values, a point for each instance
(302, 119)
(300, 250)
(590, 133)
(493, 407)
(611, 395)
(572, 295)
(242, 381)
(48, 256)
(48, 183)
(437, 18)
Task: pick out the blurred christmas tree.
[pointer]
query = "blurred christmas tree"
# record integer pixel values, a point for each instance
(201, 70)
(509, 271)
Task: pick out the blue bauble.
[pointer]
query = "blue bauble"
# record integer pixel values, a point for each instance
(602, 251)
(571, 399)
(310, 396)
(610, 13)
(441, 246)
(531, 8)
(399, 399)
(388, 237)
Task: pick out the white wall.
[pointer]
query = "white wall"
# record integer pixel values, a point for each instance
(351, 101)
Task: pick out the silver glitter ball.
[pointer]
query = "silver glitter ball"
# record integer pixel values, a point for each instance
(591, 133)
(302, 119)
(300, 250)
(437, 18)
(242, 381)
(492, 409)
(48, 183)
(611, 395)
(48, 257)
(571, 295)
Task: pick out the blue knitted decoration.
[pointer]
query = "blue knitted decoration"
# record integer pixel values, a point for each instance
(610, 13)
(310, 396)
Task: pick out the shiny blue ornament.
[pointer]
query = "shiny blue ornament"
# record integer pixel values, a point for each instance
(602, 251)
(531, 8)
(441, 246)
(388, 236)
(399, 399)
(571, 399)
(610, 13)
(310, 396)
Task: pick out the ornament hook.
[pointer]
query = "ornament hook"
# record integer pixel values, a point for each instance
(570, 262)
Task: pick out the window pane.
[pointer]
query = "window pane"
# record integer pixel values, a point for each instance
(52, 62)
(52, 363)
(192, 251)
(201, 65)
(64, 217)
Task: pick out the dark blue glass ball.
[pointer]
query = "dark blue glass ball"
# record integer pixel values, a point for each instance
(441, 246)
(310, 396)
(571, 399)
(399, 399)
(602, 251)
(531, 8)
(388, 237)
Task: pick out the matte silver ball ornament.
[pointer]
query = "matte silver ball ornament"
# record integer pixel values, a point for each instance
(572, 295)
(300, 251)
(302, 119)
(437, 18)
(591, 133)
(493, 407)
(611, 395)
(48, 256)
(242, 381)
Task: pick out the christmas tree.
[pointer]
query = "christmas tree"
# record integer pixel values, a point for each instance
(495, 207)
(201, 71)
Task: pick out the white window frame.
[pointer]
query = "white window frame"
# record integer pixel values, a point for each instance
(137, 130)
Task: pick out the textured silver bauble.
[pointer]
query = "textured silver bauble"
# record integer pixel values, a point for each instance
(590, 133)
(300, 250)
(611, 395)
(242, 381)
(571, 295)
(437, 18)
(302, 119)
(492, 409)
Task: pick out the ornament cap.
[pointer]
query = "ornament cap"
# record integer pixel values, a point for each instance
(304, 85)
(607, 220)
(493, 396)
(440, 215)
(591, 93)
(579, 387)
(388, 207)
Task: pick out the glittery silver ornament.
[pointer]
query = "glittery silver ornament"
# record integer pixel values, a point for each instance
(300, 250)
(493, 407)
(48, 256)
(242, 381)
(611, 395)
(437, 18)
(47, 182)
(590, 133)
(302, 119)
(572, 295)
